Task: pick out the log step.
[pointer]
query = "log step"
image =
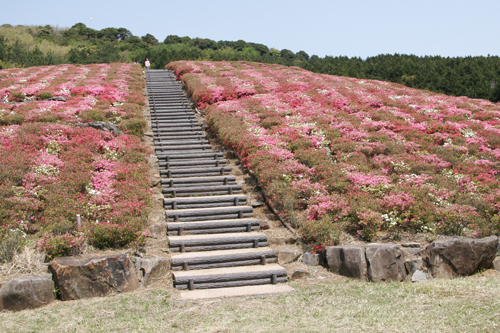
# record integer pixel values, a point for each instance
(179, 137)
(201, 214)
(209, 171)
(173, 141)
(223, 258)
(205, 202)
(213, 226)
(175, 122)
(229, 277)
(168, 127)
(236, 240)
(188, 155)
(197, 181)
(206, 189)
(198, 163)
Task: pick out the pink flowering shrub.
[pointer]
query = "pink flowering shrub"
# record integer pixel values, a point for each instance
(362, 154)
(52, 170)
(61, 245)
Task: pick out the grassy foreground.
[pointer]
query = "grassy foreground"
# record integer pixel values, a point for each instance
(461, 305)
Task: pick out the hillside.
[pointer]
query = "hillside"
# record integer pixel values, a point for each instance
(337, 154)
(53, 167)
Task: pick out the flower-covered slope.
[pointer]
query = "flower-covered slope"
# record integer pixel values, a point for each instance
(52, 170)
(337, 153)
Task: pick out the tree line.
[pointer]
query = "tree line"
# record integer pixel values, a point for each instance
(475, 77)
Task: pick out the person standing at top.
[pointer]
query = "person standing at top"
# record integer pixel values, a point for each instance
(147, 64)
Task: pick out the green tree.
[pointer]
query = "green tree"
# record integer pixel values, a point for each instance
(150, 39)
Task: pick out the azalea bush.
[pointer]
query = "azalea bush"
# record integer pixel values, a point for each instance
(359, 155)
(61, 245)
(52, 170)
(106, 235)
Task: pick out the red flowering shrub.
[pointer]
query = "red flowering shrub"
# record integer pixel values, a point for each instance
(364, 154)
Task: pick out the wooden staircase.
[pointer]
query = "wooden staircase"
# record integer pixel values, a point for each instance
(215, 240)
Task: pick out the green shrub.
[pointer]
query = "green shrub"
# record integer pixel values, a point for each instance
(11, 119)
(107, 235)
(92, 115)
(17, 97)
(324, 232)
(133, 157)
(43, 95)
(135, 126)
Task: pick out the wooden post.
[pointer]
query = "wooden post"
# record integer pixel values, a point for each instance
(255, 243)
(191, 285)
(274, 279)
(78, 221)
(182, 248)
(185, 266)
(181, 231)
(263, 260)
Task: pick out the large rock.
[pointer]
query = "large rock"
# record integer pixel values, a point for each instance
(348, 261)
(374, 262)
(459, 256)
(96, 276)
(299, 274)
(27, 292)
(288, 255)
(312, 259)
(103, 126)
(153, 269)
(385, 263)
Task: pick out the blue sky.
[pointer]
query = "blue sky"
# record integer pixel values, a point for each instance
(338, 27)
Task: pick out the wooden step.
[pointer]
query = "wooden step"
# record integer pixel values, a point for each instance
(194, 172)
(187, 129)
(213, 226)
(236, 240)
(182, 117)
(223, 258)
(179, 142)
(245, 291)
(206, 189)
(205, 201)
(197, 163)
(188, 155)
(203, 214)
(229, 277)
(179, 137)
(166, 146)
(197, 181)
